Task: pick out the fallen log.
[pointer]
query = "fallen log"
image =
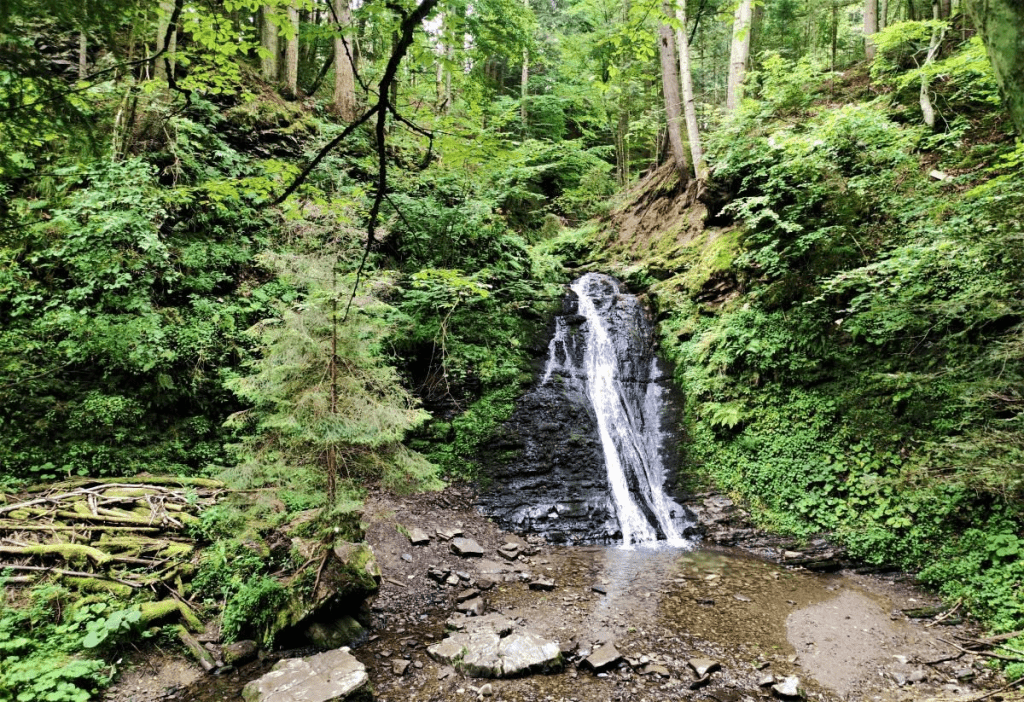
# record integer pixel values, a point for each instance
(72, 573)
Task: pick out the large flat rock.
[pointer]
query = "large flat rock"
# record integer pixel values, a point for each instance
(493, 647)
(331, 676)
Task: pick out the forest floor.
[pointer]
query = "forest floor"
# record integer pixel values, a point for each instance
(844, 636)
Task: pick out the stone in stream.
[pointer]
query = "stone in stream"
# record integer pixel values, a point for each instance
(603, 658)
(466, 548)
(493, 647)
(331, 676)
(704, 666)
(788, 687)
(418, 537)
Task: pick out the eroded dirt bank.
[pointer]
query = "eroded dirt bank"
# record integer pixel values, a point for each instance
(844, 636)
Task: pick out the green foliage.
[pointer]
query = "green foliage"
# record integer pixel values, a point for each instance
(43, 646)
(252, 608)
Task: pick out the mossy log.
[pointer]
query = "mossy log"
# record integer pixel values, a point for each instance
(72, 553)
(98, 585)
(204, 657)
(153, 612)
(57, 526)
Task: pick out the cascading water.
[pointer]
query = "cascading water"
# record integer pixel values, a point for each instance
(618, 378)
(583, 457)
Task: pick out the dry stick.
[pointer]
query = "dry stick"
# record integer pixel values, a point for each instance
(319, 571)
(992, 639)
(986, 654)
(1004, 688)
(72, 573)
(945, 615)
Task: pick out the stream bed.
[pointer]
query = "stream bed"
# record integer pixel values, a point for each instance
(843, 635)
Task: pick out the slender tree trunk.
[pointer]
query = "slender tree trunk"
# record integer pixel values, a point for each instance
(269, 42)
(344, 54)
(739, 52)
(160, 69)
(83, 55)
(291, 54)
(524, 80)
(670, 88)
(927, 110)
(870, 27)
(945, 9)
(835, 33)
(686, 79)
(1001, 25)
(883, 14)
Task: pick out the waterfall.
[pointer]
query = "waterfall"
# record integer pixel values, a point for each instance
(618, 373)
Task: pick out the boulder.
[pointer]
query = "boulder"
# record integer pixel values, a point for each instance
(239, 652)
(332, 676)
(335, 633)
(493, 647)
(473, 607)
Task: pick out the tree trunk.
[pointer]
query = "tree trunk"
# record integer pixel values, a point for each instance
(925, 100)
(269, 42)
(870, 27)
(344, 72)
(945, 9)
(670, 87)
(739, 52)
(524, 80)
(1001, 24)
(291, 54)
(686, 79)
(83, 55)
(883, 14)
(160, 69)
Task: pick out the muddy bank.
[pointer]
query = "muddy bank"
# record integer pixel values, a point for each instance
(844, 636)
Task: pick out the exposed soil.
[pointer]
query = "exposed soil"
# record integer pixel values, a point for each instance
(843, 635)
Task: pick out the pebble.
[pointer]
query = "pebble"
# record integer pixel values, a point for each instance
(407, 557)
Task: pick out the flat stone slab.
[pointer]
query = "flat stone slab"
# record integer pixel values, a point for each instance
(331, 676)
(788, 688)
(704, 666)
(484, 654)
(466, 547)
(488, 567)
(492, 623)
(418, 537)
(603, 658)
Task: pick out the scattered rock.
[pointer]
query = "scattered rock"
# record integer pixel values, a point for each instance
(486, 690)
(418, 537)
(704, 666)
(467, 595)
(453, 580)
(448, 534)
(789, 687)
(742, 598)
(445, 672)
(466, 548)
(484, 583)
(902, 659)
(399, 666)
(326, 677)
(438, 574)
(509, 551)
(918, 676)
(766, 681)
(964, 673)
(473, 607)
(700, 682)
(599, 589)
(542, 584)
(603, 658)
(407, 557)
(655, 669)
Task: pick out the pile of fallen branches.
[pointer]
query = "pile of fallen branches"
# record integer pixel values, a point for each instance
(115, 535)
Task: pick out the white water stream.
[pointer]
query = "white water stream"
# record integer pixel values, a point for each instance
(627, 403)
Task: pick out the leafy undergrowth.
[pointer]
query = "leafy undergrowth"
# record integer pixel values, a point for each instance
(852, 352)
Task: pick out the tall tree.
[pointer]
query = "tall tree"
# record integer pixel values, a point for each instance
(670, 89)
(269, 43)
(166, 43)
(739, 52)
(686, 78)
(870, 27)
(344, 55)
(1001, 24)
(524, 79)
(291, 52)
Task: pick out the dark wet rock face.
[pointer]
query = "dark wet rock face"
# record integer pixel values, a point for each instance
(549, 472)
